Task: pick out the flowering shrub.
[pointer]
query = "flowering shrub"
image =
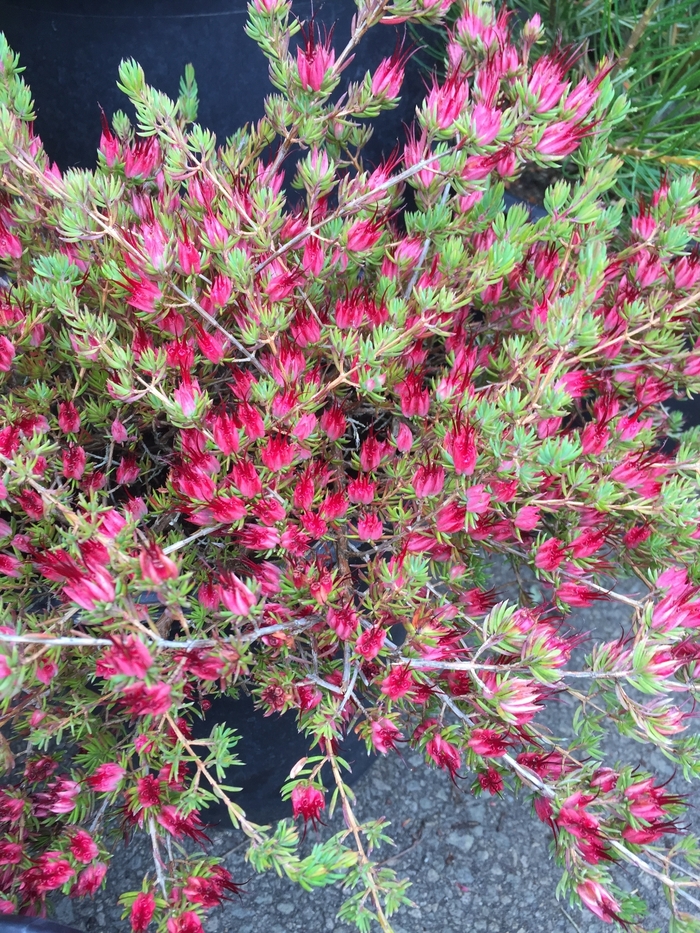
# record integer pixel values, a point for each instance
(250, 435)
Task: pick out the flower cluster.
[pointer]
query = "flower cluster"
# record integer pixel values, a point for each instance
(257, 437)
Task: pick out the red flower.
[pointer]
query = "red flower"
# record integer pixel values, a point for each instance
(179, 825)
(599, 901)
(385, 735)
(7, 354)
(148, 791)
(308, 801)
(343, 621)
(428, 480)
(314, 60)
(549, 554)
(235, 595)
(370, 642)
(491, 781)
(128, 470)
(188, 922)
(245, 478)
(106, 777)
(155, 566)
(398, 683)
(145, 700)
(83, 847)
(129, 657)
(444, 754)
(369, 527)
(142, 911)
(487, 743)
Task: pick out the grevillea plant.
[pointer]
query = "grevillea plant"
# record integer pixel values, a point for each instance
(270, 430)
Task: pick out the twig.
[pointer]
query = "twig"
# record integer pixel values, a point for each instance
(156, 856)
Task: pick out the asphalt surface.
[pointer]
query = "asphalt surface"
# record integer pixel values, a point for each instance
(475, 864)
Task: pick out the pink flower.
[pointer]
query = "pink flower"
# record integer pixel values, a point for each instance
(188, 257)
(129, 657)
(143, 294)
(74, 459)
(560, 139)
(598, 900)
(155, 565)
(343, 621)
(385, 735)
(451, 518)
(142, 911)
(370, 527)
(128, 470)
(314, 60)
(460, 444)
(445, 102)
(187, 922)
(478, 499)
(488, 743)
(10, 245)
(246, 479)
(371, 642)
(142, 157)
(308, 802)
(549, 554)
(527, 518)
(404, 439)
(415, 398)
(398, 683)
(333, 422)
(278, 453)
(7, 354)
(363, 235)
(388, 78)
(147, 699)
(361, 490)
(235, 595)
(428, 480)
(106, 777)
(444, 754)
(83, 847)
(10, 566)
(89, 880)
(68, 418)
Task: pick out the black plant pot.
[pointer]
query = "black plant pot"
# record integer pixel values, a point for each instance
(32, 925)
(269, 747)
(72, 48)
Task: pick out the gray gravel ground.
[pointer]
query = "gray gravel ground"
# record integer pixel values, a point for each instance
(476, 864)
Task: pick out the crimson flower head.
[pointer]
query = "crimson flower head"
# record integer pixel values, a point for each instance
(106, 777)
(142, 911)
(308, 801)
(68, 418)
(388, 78)
(83, 847)
(444, 754)
(155, 565)
(385, 735)
(313, 60)
(488, 743)
(187, 922)
(599, 901)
